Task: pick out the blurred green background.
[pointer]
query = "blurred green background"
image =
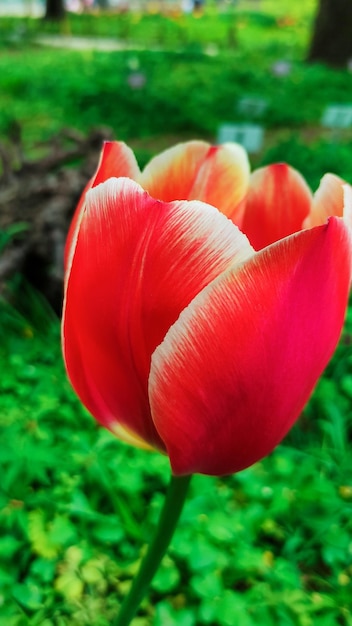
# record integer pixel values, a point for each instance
(271, 545)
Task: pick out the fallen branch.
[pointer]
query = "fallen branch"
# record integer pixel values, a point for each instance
(43, 193)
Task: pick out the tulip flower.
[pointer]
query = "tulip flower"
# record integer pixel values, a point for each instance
(280, 203)
(179, 334)
(201, 306)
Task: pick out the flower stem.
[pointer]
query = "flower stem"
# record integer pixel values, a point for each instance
(169, 517)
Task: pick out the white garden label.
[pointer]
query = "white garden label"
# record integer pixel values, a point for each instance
(250, 136)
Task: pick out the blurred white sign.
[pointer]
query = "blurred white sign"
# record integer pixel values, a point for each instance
(337, 116)
(252, 106)
(250, 136)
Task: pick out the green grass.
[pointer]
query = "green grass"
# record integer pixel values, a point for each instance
(44, 90)
(187, 93)
(283, 25)
(271, 545)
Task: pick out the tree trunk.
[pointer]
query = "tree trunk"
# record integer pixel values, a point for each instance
(55, 10)
(332, 36)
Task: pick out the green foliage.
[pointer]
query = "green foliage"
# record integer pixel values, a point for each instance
(282, 26)
(197, 63)
(10, 233)
(270, 545)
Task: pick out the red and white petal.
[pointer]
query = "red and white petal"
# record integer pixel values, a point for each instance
(222, 180)
(347, 205)
(328, 200)
(278, 201)
(170, 175)
(136, 265)
(235, 371)
(116, 160)
(74, 228)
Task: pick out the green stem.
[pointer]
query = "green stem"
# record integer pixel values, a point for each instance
(169, 517)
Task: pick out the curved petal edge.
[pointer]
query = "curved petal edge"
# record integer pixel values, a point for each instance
(235, 371)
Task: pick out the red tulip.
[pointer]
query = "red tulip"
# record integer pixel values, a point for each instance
(279, 203)
(177, 334)
(189, 171)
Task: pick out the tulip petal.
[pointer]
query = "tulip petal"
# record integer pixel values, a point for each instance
(223, 179)
(278, 201)
(236, 369)
(195, 170)
(347, 205)
(74, 227)
(116, 160)
(136, 264)
(170, 175)
(328, 200)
